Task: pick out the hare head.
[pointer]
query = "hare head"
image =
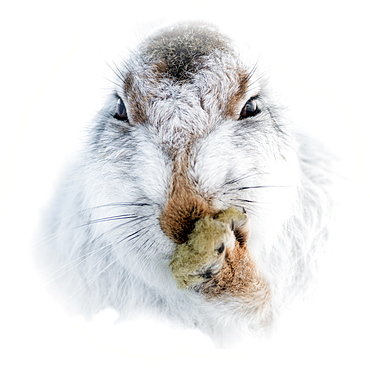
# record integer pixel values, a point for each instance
(189, 152)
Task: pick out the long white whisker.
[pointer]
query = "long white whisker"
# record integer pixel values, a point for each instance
(72, 264)
(79, 260)
(130, 217)
(47, 238)
(91, 280)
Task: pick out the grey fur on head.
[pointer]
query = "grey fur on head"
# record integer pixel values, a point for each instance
(190, 130)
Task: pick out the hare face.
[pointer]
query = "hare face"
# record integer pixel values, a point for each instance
(190, 133)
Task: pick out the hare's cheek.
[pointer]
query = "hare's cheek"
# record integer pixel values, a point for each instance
(148, 171)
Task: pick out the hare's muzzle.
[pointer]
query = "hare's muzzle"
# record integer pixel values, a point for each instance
(185, 204)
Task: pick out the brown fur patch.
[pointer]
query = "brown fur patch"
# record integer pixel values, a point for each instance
(239, 276)
(184, 206)
(234, 101)
(160, 68)
(183, 48)
(137, 113)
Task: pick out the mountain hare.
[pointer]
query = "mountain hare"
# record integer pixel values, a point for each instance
(193, 198)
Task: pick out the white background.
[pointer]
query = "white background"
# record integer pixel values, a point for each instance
(52, 80)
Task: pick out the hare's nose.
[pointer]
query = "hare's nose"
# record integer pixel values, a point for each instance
(185, 205)
(180, 214)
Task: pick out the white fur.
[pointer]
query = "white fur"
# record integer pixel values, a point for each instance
(124, 263)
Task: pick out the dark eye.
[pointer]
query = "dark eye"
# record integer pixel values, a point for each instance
(121, 113)
(250, 108)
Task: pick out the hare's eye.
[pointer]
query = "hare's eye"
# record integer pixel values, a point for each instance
(121, 113)
(250, 108)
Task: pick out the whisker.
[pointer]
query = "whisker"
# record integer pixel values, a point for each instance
(136, 234)
(90, 280)
(44, 239)
(258, 187)
(244, 200)
(117, 72)
(74, 263)
(143, 262)
(123, 204)
(114, 83)
(130, 217)
(252, 71)
(50, 278)
(117, 204)
(145, 232)
(129, 237)
(243, 177)
(261, 77)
